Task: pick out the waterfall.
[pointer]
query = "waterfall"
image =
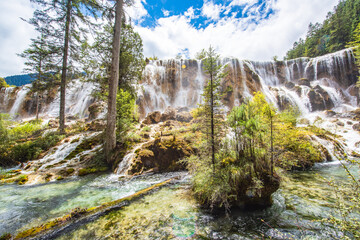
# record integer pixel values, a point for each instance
(309, 84)
(19, 100)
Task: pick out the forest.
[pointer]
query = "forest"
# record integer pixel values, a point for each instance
(106, 143)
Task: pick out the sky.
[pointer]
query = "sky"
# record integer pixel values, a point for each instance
(245, 29)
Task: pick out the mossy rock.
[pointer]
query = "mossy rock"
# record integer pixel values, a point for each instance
(90, 170)
(85, 145)
(162, 155)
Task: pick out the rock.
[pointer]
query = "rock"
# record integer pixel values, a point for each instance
(152, 118)
(169, 114)
(161, 155)
(304, 82)
(340, 123)
(320, 99)
(250, 197)
(356, 127)
(97, 125)
(349, 123)
(304, 121)
(94, 110)
(53, 123)
(289, 85)
(330, 113)
(184, 117)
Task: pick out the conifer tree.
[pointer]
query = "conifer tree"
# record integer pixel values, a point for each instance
(63, 18)
(212, 102)
(40, 63)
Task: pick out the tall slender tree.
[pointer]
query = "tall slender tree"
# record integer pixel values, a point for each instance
(110, 139)
(212, 101)
(40, 63)
(63, 17)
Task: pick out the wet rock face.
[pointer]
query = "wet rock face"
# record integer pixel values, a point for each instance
(320, 99)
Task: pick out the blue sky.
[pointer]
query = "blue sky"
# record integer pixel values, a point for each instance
(245, 29)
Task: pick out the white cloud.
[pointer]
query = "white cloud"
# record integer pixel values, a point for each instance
(211, 10)
(15, 35)
(242, 2)
(253, 38)
(137, 11)
(165, 12)
(190, 13)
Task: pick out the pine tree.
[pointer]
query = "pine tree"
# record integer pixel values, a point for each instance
(212, 102)
(40, 64)
(63, 18)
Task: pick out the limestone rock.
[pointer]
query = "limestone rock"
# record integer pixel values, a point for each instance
(94, 110)
(184, 117)
(356, 127)
(161, 155)
(169, 114)
(304, 82)
(289, 85)
(97, 125)
(330, 113)
(152, 118)
(53, 123)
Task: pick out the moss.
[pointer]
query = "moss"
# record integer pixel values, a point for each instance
(70, 170)
(22, 179)
(89, 170)
(59, 178)
(85, 145)
(6, 236)
(47, 177)
(146, 153)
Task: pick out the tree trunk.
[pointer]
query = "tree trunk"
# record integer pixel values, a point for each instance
(212, 117)
(64, 67)
(110, 138)
(37, 106)
(272, 145)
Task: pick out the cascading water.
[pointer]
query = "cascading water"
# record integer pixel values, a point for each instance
(19, 100)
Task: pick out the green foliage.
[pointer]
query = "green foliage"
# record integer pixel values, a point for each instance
(132, 61)
(356, 44)
(200, 55)
(126, 110)
(348, 202)
(332, 35)
(14, 143)
(210, 110)
(3, 83)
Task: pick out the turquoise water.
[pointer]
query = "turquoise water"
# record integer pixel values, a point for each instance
(25, 206)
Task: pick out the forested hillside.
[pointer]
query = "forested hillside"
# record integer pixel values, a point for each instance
(18, 80)
(332, 35)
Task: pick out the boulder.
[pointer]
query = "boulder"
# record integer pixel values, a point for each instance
(320, 99)
(162, 155)
(340, 123)
(53, 123)
(330, 113)
(304, 82)
(169, 114)
(97, 125)
(184, 117)
(152, 118)
(289, 85)
(94, 110)
(356, 127)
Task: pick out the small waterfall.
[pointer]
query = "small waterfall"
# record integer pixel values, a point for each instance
(19, 100)
(125, 163)
(246, 90)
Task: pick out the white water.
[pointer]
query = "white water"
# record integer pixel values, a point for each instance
(19, 99)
